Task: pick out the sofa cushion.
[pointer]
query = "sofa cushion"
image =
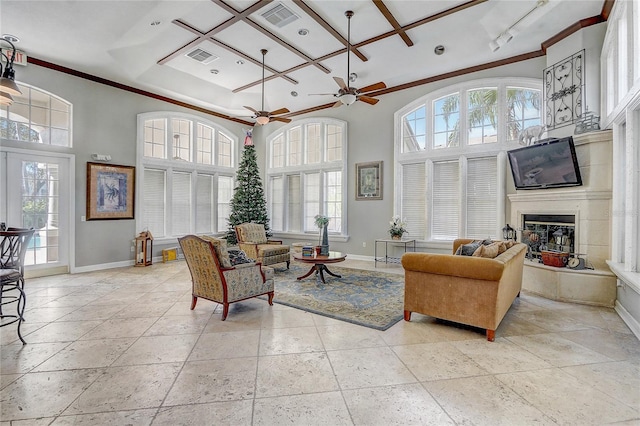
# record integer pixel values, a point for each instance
(468, 249)
(220, 246)
(238, 257)
(252, 232)
(489, 251)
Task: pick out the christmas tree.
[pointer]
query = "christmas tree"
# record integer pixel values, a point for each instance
(248, 203)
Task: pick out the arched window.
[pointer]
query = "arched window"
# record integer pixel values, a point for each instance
(306, 176)
(449, 156)
(36, 116)
(187, 174)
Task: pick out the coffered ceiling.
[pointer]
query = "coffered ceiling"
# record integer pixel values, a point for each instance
(207, 53)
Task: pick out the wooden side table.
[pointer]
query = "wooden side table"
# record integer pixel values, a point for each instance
(319, 263)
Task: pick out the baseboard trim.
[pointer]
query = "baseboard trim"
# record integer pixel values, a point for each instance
(628, 319)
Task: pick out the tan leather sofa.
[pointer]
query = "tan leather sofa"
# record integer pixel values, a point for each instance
(470, 290)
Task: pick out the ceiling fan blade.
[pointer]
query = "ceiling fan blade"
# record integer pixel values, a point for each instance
(368, 100)
(341, 83)
(283, 119)
(279, 111)
(337, 104)
(251, 109)
(321, 94)
(372, 87)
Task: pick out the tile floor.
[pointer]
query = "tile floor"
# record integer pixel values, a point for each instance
(122, 347)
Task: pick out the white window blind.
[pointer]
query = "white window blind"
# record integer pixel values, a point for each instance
(311, 200)
(413, 208)
(154, 200)
(181, 205)
(295, 206)
(334, 200)
(204, 204)
(276, 197)
(225, 193)
(445, 200)
(313, 144)
(482, 187)
(295, 146)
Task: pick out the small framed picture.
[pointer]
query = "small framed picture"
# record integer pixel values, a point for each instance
(369, 181)
(110, 191)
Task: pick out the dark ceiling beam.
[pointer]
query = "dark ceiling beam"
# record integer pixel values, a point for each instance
(606, 8)
(392, 20)
(237, 17)
(328, 28)
(583, 23)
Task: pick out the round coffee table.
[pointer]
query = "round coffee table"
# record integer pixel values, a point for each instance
(319, 263)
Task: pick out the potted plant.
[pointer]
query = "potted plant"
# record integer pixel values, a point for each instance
(321, 222)
(397, 227)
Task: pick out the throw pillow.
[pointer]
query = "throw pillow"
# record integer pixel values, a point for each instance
(489, 251)
(510, 243)
(468, 249)
(220, 246)
(238, 256)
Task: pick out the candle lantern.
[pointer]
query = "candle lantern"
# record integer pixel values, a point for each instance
(144, 249)
(508, 233)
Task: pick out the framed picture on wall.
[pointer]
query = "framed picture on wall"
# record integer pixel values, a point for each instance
(110, 191)
(369, 181)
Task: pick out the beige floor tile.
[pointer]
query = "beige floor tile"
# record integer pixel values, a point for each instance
(76, 300)
(349, 336)
(294, 374)
(235, 344)
(565, 399)
(214, 380)
(421, 329)
(62, 331)
(242, 316)
(9, 333)
(358, 368)
(395, 405)
(126, 388)
(289, 340)
(611, 344)
(47, 314)
(44, 394)
(93, 312)
(18, 358)
(86, 354)
(158, 349)
(120, 327)
(485, 400)
(235, 413)
(168, 325)
(314, 409)
(558, 351)
(287, 317)
(501, 356)
(7, 379)
(144, 310)
(129, 418)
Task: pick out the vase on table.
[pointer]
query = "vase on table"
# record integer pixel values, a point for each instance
(396, 237)
(324, 247)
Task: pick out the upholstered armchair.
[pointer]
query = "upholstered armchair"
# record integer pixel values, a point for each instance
(252, 239)
(215, 278)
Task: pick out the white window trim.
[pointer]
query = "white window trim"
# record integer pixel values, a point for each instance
(462, 152)
(170, 166)
(323, 167)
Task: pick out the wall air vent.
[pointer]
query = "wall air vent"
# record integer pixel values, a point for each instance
(279, 15)
(202, 56)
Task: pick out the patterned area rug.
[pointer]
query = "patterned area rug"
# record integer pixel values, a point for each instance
(368, 298)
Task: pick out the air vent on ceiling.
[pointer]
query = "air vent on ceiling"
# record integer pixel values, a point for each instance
(279, 15)
(202, 56)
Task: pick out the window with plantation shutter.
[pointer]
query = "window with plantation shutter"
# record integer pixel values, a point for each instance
(482, 197)
(154, 201)
(189, 190)
(204, 204)
(306, 176)
(413, 208)
(445, 200)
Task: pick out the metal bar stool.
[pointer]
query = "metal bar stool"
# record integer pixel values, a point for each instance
(13, 247)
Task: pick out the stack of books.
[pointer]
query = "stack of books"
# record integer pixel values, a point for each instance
(307, 251)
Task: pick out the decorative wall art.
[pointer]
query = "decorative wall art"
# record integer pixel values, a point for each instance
(369, 181)
(564, 91)
(110, 191)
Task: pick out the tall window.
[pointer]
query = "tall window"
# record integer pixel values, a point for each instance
(188, 167)
(36, 116)
(306, 176)
(450, 161)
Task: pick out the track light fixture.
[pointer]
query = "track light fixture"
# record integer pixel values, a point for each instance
(508, 34)
(7, 84)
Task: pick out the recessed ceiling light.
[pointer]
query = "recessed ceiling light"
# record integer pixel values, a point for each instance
(155, 23)
(240, 62)
(294, 93)
(303, 31)
(214, 71)
(11, 38)
(439, 50)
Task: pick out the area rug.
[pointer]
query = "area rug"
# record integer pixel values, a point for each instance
(368, 298)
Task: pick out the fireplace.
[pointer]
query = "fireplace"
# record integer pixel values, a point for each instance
(548, 232)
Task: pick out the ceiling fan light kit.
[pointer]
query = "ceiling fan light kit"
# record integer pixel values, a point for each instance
(8, 85)
(263, 117)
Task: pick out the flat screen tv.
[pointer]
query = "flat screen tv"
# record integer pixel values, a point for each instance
(551, 163)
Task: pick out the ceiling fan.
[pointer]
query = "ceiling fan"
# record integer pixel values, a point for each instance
(348, 95)
(263, 117)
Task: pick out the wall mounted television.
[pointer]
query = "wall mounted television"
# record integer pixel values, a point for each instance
(550, 163)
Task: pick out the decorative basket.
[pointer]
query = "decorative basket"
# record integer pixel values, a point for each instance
(555, 258)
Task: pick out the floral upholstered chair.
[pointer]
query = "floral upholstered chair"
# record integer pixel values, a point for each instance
(215, 278)
(252, 239)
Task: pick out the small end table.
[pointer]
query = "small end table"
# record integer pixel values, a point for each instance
(411, 243)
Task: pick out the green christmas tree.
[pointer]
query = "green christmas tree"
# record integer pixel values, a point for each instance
(248, 203)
